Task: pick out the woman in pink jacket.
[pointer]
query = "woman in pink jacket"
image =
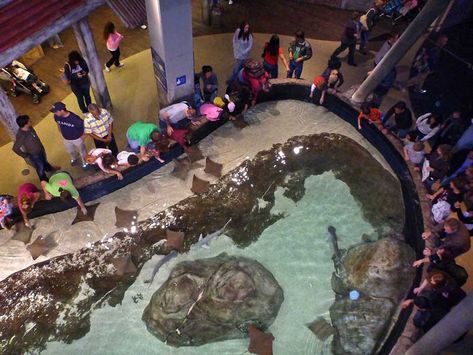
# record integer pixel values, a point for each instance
(113, 39)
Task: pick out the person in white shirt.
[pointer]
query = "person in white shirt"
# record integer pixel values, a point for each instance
(127, 159)
(427, 126)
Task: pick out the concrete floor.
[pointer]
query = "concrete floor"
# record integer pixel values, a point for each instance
(133, 92)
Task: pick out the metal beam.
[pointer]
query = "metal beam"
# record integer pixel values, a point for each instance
(8, 115)
(451, 327)
(431, 10)
(57, 26)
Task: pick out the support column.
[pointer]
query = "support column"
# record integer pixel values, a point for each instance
(170, 34)
(205, 8)
(458, 321)
(8, 115)
(431, 10)
(86, 43)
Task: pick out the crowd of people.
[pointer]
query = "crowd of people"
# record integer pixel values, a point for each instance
(440, 148)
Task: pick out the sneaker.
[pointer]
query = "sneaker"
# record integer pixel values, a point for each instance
(121, 65)
(107, 69)
(74, 162)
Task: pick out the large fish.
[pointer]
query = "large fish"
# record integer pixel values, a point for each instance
(333, 239)
(203, 242)
(206, 240)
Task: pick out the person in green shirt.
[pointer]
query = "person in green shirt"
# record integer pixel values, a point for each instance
(60, 185)
(139, 134)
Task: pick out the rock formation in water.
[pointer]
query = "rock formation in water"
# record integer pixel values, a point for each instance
(213, 299)
(42, 295)
(382, 273)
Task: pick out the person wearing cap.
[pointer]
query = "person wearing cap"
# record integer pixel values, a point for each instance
(60, 185)
(71, 128)
(98, 124)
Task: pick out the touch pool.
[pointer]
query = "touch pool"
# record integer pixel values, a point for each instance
(280, 205)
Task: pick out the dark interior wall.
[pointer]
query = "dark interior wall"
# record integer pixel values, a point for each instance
(361, 5)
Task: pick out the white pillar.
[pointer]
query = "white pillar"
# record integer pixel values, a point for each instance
(170, 33)
(86, 43)
(8, 115)
(431, 10)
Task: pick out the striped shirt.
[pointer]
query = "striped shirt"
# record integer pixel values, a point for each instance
(98, 126)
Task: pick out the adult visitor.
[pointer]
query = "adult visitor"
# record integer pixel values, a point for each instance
(350, 35)
(98, 124)
(387, 45)
(426, 63)
(175, 120)
(60, 185)
(242, 44)
(28, 146)
(28, 195)
(272, 52)
(428, 125)
(113, 39)
(454, 236)
(367, 23)
(299, 51)
(210, 82)
(398, 119)
(139, 134)
(438, 165)
(76, 74)
(71, 128)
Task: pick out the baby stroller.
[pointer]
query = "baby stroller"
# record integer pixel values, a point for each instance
(24, 80)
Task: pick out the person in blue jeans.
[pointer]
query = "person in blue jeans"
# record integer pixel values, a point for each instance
(299, 51)
(76, 74)
(398, 119)
(28, 146)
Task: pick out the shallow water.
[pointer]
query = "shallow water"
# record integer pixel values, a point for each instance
(295, 249)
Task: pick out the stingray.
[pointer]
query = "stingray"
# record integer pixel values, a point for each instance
(124, 218)
(41, 246)
(321, 328)
(195, 154)
(260, 343)
(80, 217)
(181, 168)
(22, 233)
(213, 168)
(175, 240)
(239, 123)
(124, 265)
(199, 185)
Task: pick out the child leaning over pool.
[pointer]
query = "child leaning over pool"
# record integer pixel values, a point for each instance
(6, 209)
(105, 161)
(369, 113)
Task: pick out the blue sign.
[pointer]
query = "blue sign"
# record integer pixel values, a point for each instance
(181, 80)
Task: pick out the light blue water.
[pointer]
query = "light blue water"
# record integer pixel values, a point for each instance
(294, 249)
